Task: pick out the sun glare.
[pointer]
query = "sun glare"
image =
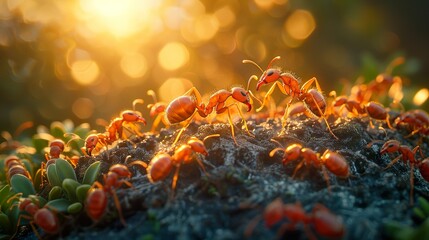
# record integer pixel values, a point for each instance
(118, 18)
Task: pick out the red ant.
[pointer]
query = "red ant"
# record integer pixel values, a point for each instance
(45, 218)
(289, 85)
(115, 129)
(324, 222)
(333, 161)
(116, 126)
(56, 147)
(156, 109)
(406, 155)
(161, 165)
(96, 200)
(14, 166)
(373, 109)
(417, 121)
(185, 107)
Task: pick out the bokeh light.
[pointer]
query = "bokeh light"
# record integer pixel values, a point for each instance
(83, 108)
(421, 96)
(85, 72)
(173, 56)
(111, 52)
(173, 87)
(134, 64)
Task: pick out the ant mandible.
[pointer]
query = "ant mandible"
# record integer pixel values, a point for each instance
(289, 85)
(186, 106)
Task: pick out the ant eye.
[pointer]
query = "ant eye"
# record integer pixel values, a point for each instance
(270, 72)
(243, 93)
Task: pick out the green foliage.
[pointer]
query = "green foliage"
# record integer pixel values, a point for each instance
(9, 212)
(402, 232)
(22, 184)
(91, 173)
(422, 209)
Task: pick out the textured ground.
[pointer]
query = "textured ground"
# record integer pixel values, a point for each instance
(243, 179)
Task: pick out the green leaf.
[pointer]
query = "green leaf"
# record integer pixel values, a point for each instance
(69, 186)
(91, 173)
(5, 223)
(424, 205)
(57, 129)
(59, 205)
(75, 208)
(64, 170)
(55, 193)
(52, 175)
(82, 130)
(22, 184)
(37, 180)
(4, 192)
(82, 191)
(5, 236)
(41, 140)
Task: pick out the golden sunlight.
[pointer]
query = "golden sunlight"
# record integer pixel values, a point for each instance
(85, 72)
(173, 56)
(173, 87)
(119, 18)
(134, 64)
(300, 24)
(421, 96)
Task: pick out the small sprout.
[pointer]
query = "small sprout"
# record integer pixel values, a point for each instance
(91, 173)
(5, 223)
(82, 191)
(69, 187)
(59, 205)
(75, 208)
(422, 209)
(64, 170)
(55, 193)
(57, 129)
(52, 175)
(22, 184)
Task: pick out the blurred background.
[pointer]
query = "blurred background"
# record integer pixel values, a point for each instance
(89, 59)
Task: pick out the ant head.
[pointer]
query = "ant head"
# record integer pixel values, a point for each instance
(269, 75)
(198, 146)
(242, 96)
(390, 146)
(131, 116)
(57, 143)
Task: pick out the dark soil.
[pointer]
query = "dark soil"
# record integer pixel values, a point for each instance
(242, 179)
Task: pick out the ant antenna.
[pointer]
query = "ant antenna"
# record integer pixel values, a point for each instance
(252, 62)
(273, 60)
(137, 101)
(210, 136)
(152, 93)
(394, 63)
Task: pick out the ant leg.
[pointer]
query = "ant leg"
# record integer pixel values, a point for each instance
(118, 207)
(275, 150)
(156, 122)
(299, 166)
(184, 128)
(268, 94)
(393, 162)
(174, 182)
(323, 114)
(412, 184)
(326, 177)
(251, 226)
(242, 118)
(232, 127)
